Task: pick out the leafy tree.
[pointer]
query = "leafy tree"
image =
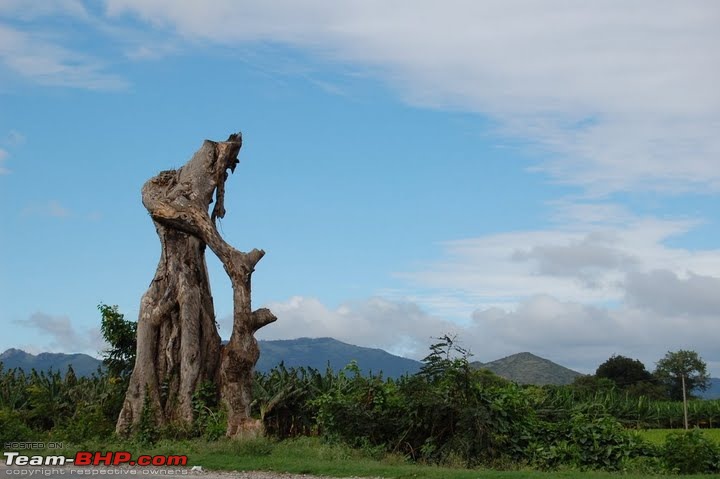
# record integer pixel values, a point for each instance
(652, 390)
(623, 371)
(586, 386)
(682, 371)
(122, 337)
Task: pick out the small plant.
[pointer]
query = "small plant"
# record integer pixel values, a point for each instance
(210, 420)
(689, 452)
(147, 430)
(256, 447)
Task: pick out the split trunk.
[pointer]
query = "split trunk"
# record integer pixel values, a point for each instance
(179, 346)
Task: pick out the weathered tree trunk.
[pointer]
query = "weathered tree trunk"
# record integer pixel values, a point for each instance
(178, 343)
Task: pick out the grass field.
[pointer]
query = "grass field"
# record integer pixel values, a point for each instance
(657, 436)
(311, 456)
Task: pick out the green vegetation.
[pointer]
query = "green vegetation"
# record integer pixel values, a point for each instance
(682, 372)
(633, 412)
(630, 377)
(449, 414)
(121, 334)
(307, 455)
(690, 452)
(622, 371)
(65, 408)
(658, 436)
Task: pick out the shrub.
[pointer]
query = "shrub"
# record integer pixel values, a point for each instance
(360, 411)
(587, 443)
(147, 432)
(689, 452)
(447, 413)
(13, 428)
(210, 419)
(88, 423)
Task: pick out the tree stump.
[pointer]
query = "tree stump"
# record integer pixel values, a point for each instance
(178, 346)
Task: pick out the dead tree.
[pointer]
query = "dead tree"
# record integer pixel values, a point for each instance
(178, 346)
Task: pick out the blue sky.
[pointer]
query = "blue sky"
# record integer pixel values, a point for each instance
(533, 176)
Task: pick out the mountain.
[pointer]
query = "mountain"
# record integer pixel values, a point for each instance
(713, 392)
(319, 352)
(316, 353)
(526, 368)
(82, 364)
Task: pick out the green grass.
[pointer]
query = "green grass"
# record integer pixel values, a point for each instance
(311, 456)
(657, 436)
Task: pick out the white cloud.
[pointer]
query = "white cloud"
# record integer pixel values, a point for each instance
(585, 259)
(587, 215)
(51, 208)
(664, 292)
(399, 327)
(573, 334)
(44, 61)
(30, 10)
(64, 337)
(3, 156)
(585, 263)
(582, 337)
(150, 52)
(13, 138)
(577, 293)
(623, 96)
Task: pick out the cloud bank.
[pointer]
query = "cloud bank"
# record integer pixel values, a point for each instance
(576, 295)
(36, 51)
(63, 335)
(620, 96)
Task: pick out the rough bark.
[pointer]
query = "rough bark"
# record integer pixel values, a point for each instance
(178, 343)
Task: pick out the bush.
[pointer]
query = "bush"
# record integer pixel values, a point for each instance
(447, 413)
(147, 432)
(360, 411)
(587, 443)
(689, 452)
(210, 418)
(284, 399)
(13, 428)
(88, 423)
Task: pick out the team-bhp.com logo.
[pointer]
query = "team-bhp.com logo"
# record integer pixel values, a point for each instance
(86, 458)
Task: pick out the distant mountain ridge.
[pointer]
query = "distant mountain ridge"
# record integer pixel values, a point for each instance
(712, 392)
(83, 364)
(527, 368)
(318, 353)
